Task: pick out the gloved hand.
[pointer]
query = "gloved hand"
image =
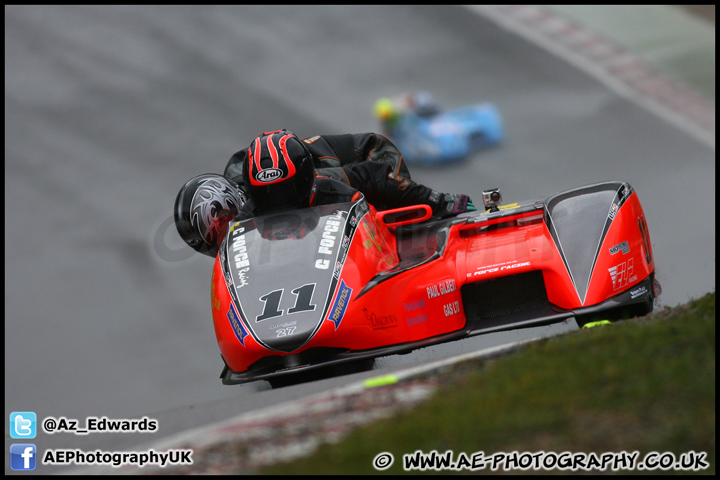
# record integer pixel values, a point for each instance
(453, 204)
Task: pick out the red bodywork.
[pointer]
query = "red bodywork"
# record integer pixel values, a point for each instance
(401, 287)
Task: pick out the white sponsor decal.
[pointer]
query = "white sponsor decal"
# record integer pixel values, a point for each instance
(327, 242)
(441, 288)
(268, 175)
(622, 274)
(613, 211)
(637, 292)
(498, 268)
(242, 261)
(451, 308)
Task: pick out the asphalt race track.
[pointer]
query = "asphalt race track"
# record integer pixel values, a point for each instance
(110, 109)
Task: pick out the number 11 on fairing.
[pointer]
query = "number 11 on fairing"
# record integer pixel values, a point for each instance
(303, 297)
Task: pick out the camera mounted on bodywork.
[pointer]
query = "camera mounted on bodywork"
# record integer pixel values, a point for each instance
(491, 199)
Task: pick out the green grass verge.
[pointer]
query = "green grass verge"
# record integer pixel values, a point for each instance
(645, 385)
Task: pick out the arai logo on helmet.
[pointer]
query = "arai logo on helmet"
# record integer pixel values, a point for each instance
(268, 175)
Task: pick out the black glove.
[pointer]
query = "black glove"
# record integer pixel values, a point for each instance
(453, 204)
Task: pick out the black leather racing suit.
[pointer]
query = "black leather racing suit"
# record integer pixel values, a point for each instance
(368, 162)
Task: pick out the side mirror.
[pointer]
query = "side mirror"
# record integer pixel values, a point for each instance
(404, 215)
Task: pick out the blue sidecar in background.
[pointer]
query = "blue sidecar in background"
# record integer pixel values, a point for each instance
(425, 134)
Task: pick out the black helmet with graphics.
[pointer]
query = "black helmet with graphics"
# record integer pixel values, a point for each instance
(279, 174)
(203, 208)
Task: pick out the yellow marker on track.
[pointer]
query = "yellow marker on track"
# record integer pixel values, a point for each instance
(595, 324)
(380, 381)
